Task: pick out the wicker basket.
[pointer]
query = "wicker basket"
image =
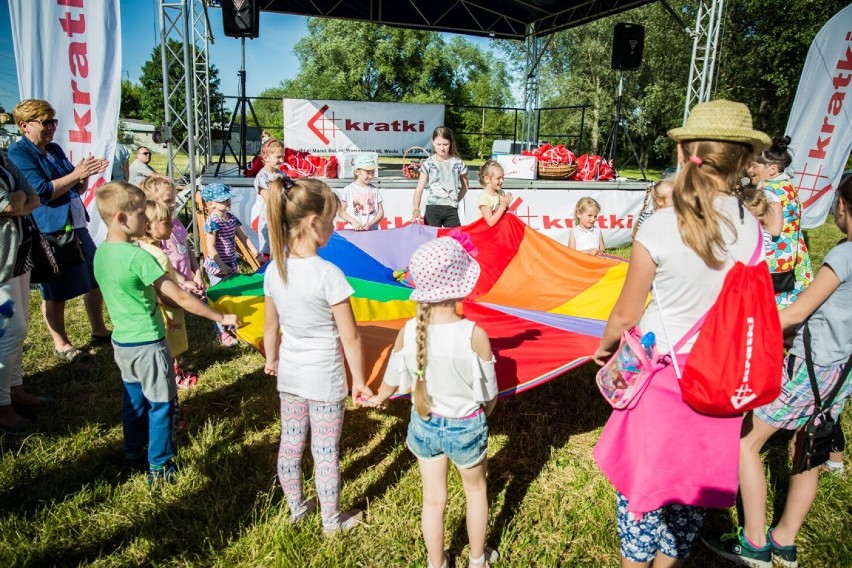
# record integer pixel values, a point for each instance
(415, 156)
(556, 171)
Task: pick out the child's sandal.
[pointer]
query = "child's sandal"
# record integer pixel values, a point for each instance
(446, 563)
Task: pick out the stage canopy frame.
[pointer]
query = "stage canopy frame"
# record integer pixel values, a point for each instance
(530, 21)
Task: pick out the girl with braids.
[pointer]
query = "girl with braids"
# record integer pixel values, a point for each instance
(449, 361)
(307, 320)
(789, 251)
(667, 462)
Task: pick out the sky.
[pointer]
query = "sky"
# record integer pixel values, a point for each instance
(139, 23)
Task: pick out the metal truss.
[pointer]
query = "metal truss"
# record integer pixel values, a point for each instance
(702, 66)
(534, 51)
(184, 36)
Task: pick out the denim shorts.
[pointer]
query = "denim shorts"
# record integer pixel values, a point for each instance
(463, 440)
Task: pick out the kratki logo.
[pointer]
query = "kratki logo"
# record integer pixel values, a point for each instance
(325, 125)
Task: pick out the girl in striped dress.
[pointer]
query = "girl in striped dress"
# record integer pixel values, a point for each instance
(222, 231)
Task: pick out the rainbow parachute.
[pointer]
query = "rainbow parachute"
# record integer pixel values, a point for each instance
(543, 305)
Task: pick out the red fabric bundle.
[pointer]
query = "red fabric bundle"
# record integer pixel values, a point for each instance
(591, 167)
(548, 154)
(302, 164)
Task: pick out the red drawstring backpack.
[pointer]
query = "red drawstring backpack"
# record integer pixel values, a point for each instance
(736, 363)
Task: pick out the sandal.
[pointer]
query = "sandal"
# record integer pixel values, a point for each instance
(185, 380)
(71, 355)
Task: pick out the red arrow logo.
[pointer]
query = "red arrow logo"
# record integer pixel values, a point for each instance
(320, 115)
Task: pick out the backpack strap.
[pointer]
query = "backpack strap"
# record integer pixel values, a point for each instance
(756, 258)
(809, 361)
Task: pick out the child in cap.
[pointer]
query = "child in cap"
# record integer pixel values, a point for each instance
(447, 363)
(360, 201)
(131, 280)
(223, 230)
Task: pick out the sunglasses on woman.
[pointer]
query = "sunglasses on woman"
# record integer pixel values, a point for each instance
(47, 122)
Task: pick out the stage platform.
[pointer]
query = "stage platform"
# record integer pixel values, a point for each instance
(390, 177)
(545, 205)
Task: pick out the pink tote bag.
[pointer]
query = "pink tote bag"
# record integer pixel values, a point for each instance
(661, 452)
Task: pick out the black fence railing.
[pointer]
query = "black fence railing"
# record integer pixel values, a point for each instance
(476, 127)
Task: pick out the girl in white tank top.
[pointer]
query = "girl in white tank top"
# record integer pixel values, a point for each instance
(446, 362)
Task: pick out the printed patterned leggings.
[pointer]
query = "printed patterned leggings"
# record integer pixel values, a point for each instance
(326, 421)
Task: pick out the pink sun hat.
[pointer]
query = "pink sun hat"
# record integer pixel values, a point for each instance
(442, 270)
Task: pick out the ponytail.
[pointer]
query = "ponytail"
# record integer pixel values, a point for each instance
(422, 402)
(717, 167)
(278, 226)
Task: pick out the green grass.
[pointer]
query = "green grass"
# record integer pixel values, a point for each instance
(67, 501)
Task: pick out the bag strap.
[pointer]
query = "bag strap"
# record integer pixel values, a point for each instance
(809, 362)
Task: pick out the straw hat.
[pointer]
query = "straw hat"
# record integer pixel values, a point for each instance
(442, 270)
(724, 120)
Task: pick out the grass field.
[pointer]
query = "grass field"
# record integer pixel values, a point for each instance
(67, 501)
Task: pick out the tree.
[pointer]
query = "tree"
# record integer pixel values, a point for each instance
(764, 49)
(152, 90)
(363, 62)
(131, 100)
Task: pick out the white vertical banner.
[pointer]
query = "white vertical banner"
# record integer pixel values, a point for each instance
(820, 122)
(68, 52)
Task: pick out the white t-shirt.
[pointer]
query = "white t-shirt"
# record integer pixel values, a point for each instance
(310, 360)
(362, 203)
(457, 380)
(687, 287)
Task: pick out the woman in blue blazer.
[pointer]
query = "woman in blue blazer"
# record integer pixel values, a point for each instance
(57, 183)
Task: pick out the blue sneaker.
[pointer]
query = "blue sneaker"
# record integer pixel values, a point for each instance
(164, 473)
(734, 547)
(782, 555)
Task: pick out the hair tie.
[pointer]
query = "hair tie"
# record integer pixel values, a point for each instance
(420, 373)
(696, 160)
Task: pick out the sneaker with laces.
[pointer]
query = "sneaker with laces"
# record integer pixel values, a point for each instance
(228, 340)
(348, 521)
(166, 473)
(782, 555)
(310, 507)
(734, 547)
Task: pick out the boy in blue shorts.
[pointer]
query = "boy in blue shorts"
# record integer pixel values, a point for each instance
(131, 280)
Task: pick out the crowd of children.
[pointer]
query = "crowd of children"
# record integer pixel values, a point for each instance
(690, 233)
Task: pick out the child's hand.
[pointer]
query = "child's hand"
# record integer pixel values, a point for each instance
(198, 281)
(371, 402)
(506, 199)
(271, 367)
(230, 320)
(601, 355)
(360, 392)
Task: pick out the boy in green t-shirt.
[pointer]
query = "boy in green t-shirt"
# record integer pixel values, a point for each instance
(130, 280)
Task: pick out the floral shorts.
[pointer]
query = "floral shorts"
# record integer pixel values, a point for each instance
(671, 529)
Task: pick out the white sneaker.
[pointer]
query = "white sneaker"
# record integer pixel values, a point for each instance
(310, 507)
(348, 521)
(488, 558)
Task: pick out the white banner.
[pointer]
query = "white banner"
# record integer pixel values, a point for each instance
(550, 211)
(68, 52)
(322, 127)
(820, 121)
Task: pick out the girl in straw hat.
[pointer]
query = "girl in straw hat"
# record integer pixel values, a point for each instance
(449, 361)
(667, 462)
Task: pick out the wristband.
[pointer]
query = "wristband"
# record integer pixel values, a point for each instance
(415, 210)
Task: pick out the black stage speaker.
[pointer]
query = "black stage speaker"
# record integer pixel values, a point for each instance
(628, 43)
(241, 18)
